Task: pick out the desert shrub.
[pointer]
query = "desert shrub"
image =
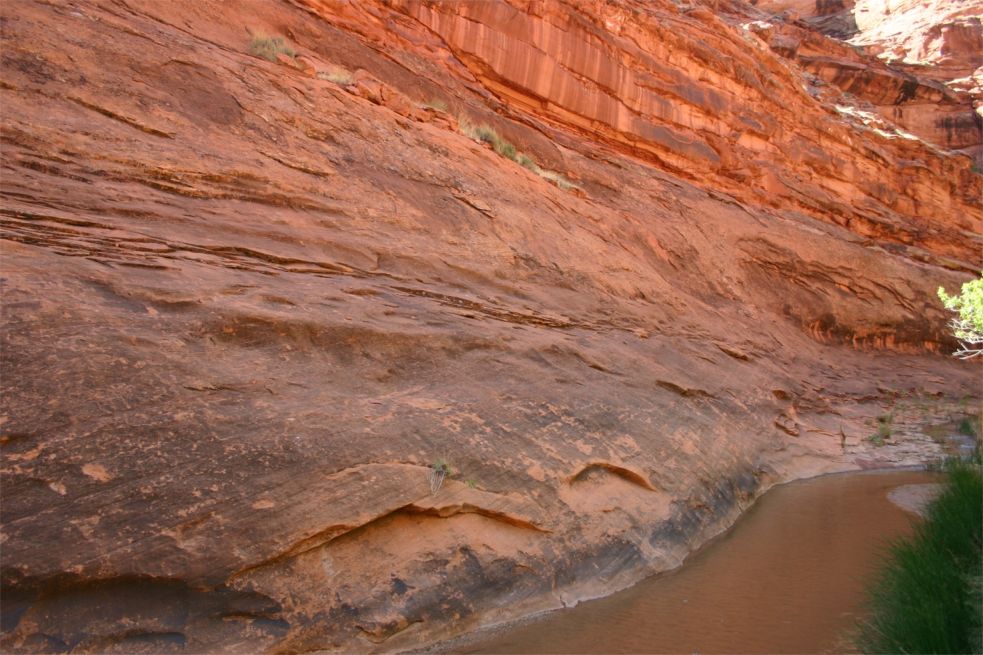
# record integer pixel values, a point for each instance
(268, 47)
(486, 134)
(970, 426)
(877, 439)
(527, 162)
(436, 474)
(557, 178)
(968, 325)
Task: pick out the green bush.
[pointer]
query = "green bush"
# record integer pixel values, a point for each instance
(928, 596)
(968, 326)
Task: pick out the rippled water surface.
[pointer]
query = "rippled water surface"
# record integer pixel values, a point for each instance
(789, 578)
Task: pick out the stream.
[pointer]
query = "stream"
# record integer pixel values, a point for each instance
(789, 577)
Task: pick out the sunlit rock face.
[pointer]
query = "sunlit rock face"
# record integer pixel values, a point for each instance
(932, 83)
(249, 304)
(936, 40)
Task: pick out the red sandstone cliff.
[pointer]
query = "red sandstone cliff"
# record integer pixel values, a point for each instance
(246, 304)
(931, 83)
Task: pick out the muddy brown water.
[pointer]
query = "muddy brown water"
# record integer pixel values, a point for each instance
(788, 578)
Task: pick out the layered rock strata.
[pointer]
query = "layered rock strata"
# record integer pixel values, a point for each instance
(248, 304)
(928, 76)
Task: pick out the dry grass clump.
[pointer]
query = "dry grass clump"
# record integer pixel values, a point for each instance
(486, 134)
(268, 47)
(434, 103)
(337, 75)
(556, 178)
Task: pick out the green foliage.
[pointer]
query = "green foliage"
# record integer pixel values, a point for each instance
(884, 429)
(968, 327)
(877, 439)
(268, 47)
(928, 596)
(970, 426)
(884, 422)
(505, 149)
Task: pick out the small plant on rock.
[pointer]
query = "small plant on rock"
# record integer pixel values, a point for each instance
(884, 422)
(268, 47)
(970, 426)
(556, 178)
(884, 430)
(337, 75)
(439, 470)
(435, 103)
(876, 439)
(486, 134)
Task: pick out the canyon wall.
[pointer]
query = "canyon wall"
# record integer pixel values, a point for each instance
(248, 304)
(933, 86)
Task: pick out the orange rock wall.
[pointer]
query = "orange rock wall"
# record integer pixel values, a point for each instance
(917, 62)
(248, 305)
(700, 98)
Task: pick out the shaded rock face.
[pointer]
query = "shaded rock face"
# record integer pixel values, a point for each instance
(247, 304)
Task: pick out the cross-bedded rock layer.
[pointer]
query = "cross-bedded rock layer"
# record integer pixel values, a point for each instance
(247, 304)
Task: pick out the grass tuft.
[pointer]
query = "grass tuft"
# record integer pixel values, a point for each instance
(884, 429)
(486, 134)
(434, 103)
(970, 426)
(268, 47)
(436, 474)
(336, 75)
(557, 178)
(928, 596)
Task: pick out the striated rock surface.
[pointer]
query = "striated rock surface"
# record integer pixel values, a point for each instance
(928, 77)
(248, 303)
(936, 40)
(945, 37)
